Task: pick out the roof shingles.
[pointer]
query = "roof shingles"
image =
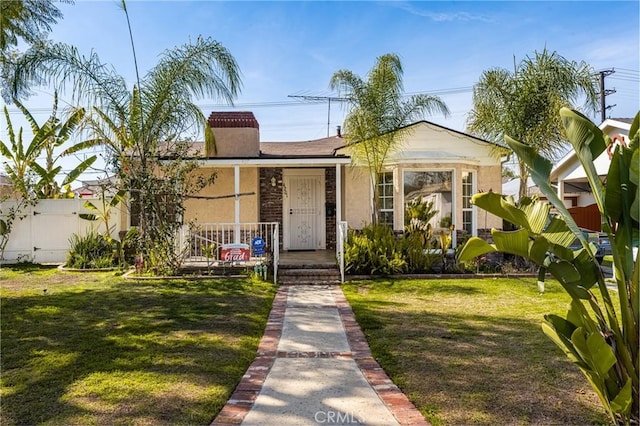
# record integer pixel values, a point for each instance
(318, 147)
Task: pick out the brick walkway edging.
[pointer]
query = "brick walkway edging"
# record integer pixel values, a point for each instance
(246, 393)
(402, 409)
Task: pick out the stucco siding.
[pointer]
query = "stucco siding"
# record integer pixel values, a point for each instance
(223, 210)
(431, 143)
(489, 179)
(237, 142)
(357, 197)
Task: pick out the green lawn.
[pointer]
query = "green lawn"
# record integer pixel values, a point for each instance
(472, 351)
(98, 349)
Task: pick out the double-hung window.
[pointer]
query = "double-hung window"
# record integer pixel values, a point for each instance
(385, 198)
(468, 189)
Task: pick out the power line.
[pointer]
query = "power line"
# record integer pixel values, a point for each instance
(275, 104)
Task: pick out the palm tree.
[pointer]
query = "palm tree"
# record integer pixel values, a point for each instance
(27, 20)
(524, 104)
(139, 125)
(379, 114)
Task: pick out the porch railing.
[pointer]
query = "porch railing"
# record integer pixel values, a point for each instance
(342, 239)
(275, 248)
(201, 236)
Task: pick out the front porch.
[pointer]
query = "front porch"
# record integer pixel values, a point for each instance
(203, 246)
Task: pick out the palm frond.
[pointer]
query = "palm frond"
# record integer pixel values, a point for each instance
(191, 71)
(61, 66)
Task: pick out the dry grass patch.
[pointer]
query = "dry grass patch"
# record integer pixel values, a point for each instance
(473, 352)
(96, 349)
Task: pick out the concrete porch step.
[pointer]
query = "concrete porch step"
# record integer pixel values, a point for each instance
(309, 282)
(305, 266)
(309, 276)
(309, 272)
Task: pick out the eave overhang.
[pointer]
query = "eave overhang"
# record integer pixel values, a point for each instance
(279, 161)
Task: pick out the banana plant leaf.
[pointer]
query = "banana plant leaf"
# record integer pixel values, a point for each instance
(512, 242)
(540, 169)
(501, 206)
(78, 170)
(473, 248)
(536, 212)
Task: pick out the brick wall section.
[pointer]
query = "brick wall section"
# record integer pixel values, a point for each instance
(330, 197)
(270, 203)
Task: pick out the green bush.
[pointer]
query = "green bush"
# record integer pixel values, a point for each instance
(418, 259)
(374, 250)
(91, 251)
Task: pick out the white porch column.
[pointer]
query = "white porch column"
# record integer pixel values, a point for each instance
(561, 189)
(338, 199)
(236, 175)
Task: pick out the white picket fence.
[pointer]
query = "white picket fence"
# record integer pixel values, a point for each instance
(43, 235)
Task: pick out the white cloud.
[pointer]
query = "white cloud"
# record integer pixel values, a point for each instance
(444, 16)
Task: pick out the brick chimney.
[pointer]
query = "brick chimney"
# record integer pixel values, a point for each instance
(237, 133)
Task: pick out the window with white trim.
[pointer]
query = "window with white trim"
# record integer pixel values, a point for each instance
(385, 198)
(434, 187)
(468, 184)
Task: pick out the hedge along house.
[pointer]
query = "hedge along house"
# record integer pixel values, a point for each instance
(309, 192)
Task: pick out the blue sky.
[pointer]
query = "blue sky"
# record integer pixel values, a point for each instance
(293, 48)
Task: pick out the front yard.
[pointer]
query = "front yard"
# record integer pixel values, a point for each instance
(472, 351)
(92, 348)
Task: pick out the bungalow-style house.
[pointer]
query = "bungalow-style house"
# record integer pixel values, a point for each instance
(312, 191)
(570, 178)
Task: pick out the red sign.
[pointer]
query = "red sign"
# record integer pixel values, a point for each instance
(235, 253)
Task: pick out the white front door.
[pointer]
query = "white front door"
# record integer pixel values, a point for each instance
(304, 213)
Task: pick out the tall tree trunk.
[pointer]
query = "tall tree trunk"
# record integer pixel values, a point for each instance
(376, 199)
(524, 178)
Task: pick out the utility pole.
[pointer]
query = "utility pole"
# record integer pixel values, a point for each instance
(604, 93)
(322, 99)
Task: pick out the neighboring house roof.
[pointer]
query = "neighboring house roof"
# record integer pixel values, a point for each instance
(5, 185)
(621, 120)
(512, 187)
(5, 180)
(91, 188)
(569, 167)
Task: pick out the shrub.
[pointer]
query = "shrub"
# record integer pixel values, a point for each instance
(374, 250)
(418, 259)
(90, 251)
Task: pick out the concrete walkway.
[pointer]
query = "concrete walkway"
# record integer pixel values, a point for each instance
(314, 367)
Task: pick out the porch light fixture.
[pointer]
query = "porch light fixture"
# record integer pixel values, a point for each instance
(273, 181)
